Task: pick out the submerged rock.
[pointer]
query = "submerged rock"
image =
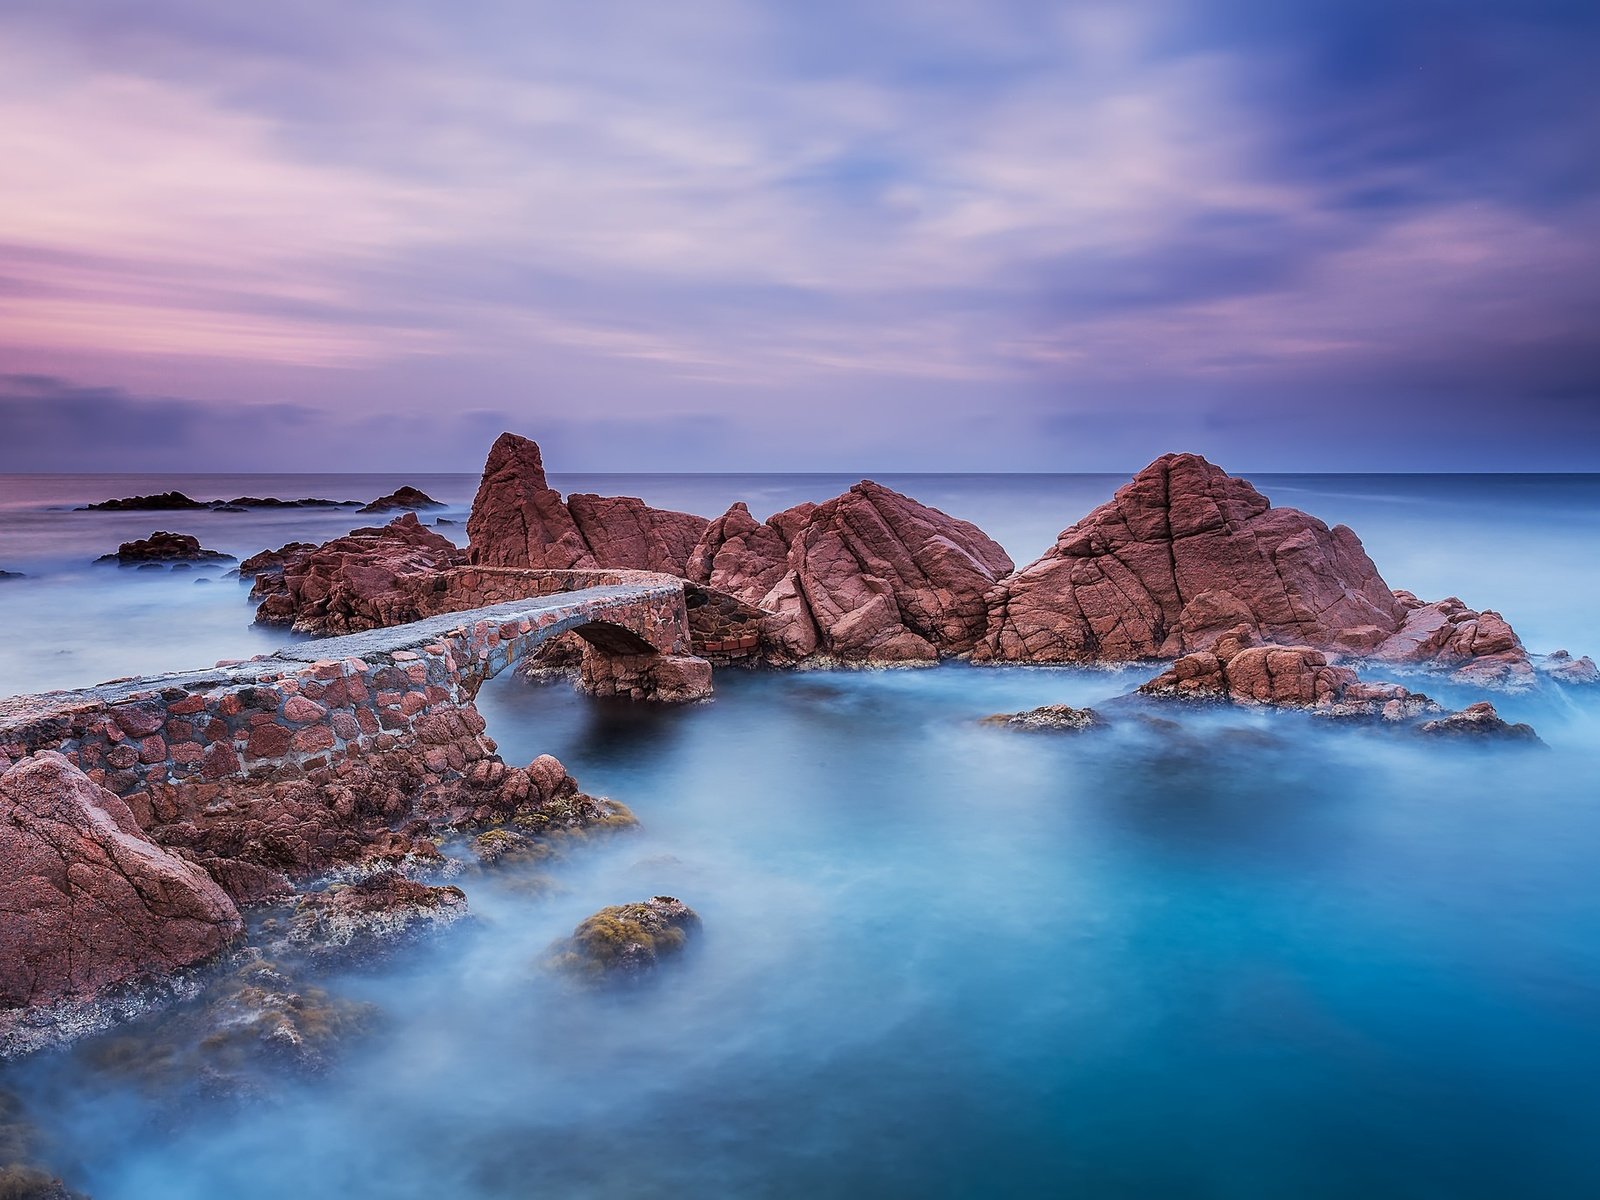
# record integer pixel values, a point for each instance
(164, 547)
(625, 940)
(87, 900)
(1560, 666)
(379, 910)
(254, 1027)
(22, 1175)
(1055, 717)
(403, 498)
(1478, 721)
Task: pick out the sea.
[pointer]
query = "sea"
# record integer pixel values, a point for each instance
(1246, 956)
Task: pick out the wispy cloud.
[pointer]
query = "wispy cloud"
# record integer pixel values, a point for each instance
(1014, 210)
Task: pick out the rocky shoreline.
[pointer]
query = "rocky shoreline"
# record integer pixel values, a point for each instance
(142, 827)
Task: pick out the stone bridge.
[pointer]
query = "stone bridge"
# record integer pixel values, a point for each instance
(285, 761)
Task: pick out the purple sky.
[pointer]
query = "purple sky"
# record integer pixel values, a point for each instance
(723, 235)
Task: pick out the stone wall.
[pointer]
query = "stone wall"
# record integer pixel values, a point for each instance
(289, 763)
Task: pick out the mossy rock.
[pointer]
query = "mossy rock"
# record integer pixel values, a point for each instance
(625, 940)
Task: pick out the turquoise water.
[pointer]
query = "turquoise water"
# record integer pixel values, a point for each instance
(1248, 957)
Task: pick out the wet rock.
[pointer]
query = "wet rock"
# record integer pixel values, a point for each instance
(1240, 670)
(87, 900)
(382, 909)
(22, 1175)
(1477, 647)
(356, 582)
(161, 502)
(499, 846)
(1479, 721)
(407, 497)
(255, 1026)
(518, 520)
(625, 941)
(19, 1181)
(1054, 717)
(1560, 666)
(12, 575)
(164, 547)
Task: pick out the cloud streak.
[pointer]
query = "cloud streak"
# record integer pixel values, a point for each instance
(860, 229)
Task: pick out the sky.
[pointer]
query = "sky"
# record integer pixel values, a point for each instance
(879, 235)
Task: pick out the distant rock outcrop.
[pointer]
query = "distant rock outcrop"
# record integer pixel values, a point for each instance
(518, 520)
(163, 547)
(86, 899)
(354, 582)
(409, 498)
(159, 502)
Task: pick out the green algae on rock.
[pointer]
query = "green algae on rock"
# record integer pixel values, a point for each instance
(625, 940)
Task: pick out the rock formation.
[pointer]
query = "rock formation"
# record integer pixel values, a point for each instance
(1477, 647)
(402, 498)
(626, 940)
(1180, 555)
(870, 575)
(1184, 553)
(164, 501)
(518, 520)
(1061, 718)
(355, 582)
(372, 912)
(176, 501)
(1240, 669)
(163, 547)
(264, 571)
(1478, 721)
(87, 900)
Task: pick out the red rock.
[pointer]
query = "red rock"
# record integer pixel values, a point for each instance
(358, 581)
(86, 899)
(518, 520)
(1479, 647)
(1180, 554)
(871, 575)
(300, 710)
(269, 741)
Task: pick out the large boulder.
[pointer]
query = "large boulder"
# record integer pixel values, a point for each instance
(364, 580)
(1181, 554)
(86, 899)
(519, 520)
(870, 575)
